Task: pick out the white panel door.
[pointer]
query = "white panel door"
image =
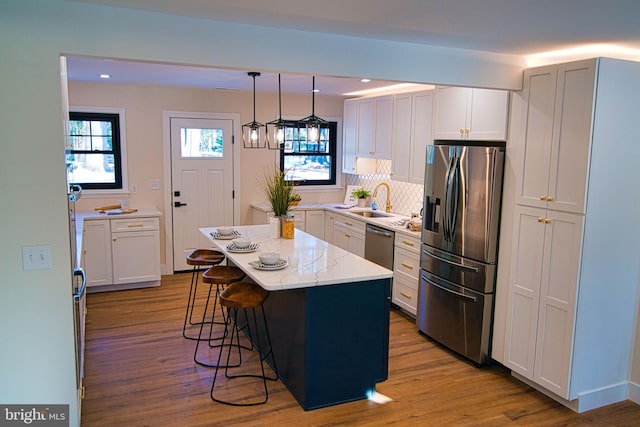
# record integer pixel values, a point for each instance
(202, 181)
(488, 116)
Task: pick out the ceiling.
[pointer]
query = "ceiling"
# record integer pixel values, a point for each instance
(514, 27)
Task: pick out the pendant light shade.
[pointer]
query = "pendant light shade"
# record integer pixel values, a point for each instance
(310, 129)
(275, 128)
(251, 132)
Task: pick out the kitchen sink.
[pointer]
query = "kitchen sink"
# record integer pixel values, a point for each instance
(371, 214)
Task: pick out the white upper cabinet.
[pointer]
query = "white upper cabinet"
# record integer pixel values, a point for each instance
(412, 118)
(349, 135)
(557, 137)
(470, 114)
(375, 126)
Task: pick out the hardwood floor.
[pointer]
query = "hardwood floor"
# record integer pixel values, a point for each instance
(139, 371)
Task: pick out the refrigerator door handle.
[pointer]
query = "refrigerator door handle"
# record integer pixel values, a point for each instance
(474, 269)
(458, 294)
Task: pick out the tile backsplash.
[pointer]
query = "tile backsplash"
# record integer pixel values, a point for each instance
(405, 197)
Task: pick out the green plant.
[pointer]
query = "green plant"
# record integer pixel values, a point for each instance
(295, 197)
(277, 190)
(361, 193)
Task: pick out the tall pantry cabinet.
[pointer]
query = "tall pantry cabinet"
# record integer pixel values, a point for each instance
(571, 281)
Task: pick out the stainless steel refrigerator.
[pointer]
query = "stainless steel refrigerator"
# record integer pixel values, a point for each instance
(461, 219)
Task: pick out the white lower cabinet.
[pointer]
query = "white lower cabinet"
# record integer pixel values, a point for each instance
(348, 234)
(121, 251)
(544, 278)
(406, 273)
(96, 248)
(328, 226)
(314, 223)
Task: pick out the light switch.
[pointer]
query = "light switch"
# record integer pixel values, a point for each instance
(154, 184)
(36, 257)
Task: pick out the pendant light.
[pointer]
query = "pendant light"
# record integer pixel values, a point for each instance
(275, 136)
(312, 127)
(251, 137)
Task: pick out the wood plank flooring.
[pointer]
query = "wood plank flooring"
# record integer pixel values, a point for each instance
(139, 371)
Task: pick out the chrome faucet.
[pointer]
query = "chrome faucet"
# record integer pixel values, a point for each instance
(388, 204)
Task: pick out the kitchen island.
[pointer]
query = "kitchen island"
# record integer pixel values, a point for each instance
(328, 318)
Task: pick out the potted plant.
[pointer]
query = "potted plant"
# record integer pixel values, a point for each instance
(361, 194)
(294, 199)
(277, 190)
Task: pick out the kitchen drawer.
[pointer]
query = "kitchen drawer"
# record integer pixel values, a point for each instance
(405, 295)
(134, 224)
(406, 262)
(409, 243)
(350, 223)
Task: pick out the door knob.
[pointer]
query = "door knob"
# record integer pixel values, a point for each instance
(178, 204)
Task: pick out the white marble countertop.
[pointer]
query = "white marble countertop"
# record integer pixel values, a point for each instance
(319, 263)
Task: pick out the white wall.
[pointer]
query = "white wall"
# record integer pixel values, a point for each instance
(37, 360)
(144, 107)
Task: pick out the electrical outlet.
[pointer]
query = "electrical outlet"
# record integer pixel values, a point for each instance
(154, 184)
(134, 188)
(36, 257)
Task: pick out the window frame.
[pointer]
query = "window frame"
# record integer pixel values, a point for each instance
(121, 185)
(333, 125)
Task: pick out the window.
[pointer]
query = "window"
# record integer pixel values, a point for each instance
(306, 163)
(94, 155)
(198, 142)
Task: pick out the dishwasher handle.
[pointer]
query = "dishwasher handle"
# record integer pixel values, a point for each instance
(379, 231)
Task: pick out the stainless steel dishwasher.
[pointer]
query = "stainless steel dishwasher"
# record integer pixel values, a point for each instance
(378, 246)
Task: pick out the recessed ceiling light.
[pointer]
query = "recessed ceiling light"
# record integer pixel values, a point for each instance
(365, 80)
(105, 76)
(315, 90)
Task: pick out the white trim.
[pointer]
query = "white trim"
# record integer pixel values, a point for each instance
(166, 155)
(633, 394)
(123, 149)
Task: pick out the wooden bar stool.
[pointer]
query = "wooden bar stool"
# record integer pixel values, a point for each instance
(220, 276)
(198, 258)
(243, 296)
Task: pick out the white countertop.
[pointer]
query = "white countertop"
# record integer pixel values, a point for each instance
(320, 263)
(385, 222)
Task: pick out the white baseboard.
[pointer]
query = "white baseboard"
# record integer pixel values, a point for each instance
(592, 399)
(602, 397)
(634, 393)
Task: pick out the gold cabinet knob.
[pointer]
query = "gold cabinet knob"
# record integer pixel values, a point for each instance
(547, 220)
(549, 198)
(543, 197)
(540, 219)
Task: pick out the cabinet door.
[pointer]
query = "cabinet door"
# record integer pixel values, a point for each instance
(341, 237)
(314, 223)
(136, 256)
(383, 128)
(421, 134)
(349, 136)
(572, 136)
(366, 116)
(328, 226)
(451, 111)
(96, 251)
(401, 147)
(558, 299)
(488, 117)
(356, 244)
(524, 289)
(539, 92)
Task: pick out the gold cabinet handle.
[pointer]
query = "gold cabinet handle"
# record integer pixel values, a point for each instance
(549, 198)
(349, 224)
(82, 392)
(543, 197)
(461, 131)
(540, 219)
(547, 220)
(408, 243)
(405, 295)
(466, 131)
(135, 224)
(409, 266)
(347, 235)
